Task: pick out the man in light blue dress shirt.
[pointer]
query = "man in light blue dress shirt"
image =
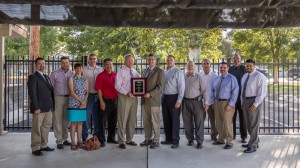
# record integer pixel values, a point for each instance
(225, 92)
(171, 102)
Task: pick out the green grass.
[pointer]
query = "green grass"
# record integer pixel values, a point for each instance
(284, 88)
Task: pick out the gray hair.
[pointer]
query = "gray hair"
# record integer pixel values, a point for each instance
(206, 60)
(127, 56)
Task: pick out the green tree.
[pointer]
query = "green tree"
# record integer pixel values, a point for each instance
(267, 45)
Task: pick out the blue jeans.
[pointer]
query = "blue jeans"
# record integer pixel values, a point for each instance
(92, 109)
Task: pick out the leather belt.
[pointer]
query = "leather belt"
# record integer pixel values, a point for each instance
(253, 97)
(222, 99)
(93, 93)
(65, 95)
(190, 99)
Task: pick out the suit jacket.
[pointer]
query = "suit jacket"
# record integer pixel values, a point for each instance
(155, 84)
(40, 93)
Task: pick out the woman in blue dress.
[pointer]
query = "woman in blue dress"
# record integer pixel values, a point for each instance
(78, 86)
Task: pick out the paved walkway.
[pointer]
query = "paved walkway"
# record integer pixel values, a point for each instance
(282, 151)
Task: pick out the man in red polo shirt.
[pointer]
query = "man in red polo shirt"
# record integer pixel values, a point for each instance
(105, 86)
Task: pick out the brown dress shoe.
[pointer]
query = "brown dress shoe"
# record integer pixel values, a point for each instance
(122, 146)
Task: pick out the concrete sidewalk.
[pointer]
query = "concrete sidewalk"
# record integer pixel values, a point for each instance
(282, 151)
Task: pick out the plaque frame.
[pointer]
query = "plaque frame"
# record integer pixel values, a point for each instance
(138, 81)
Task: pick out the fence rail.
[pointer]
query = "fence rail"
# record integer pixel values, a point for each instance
(281, 107)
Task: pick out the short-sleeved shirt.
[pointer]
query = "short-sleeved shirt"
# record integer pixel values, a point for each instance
(106, 83)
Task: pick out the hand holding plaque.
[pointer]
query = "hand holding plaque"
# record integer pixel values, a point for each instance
(138, 86)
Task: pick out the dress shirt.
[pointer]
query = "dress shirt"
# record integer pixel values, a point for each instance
(91, 75)
(238, 72)
(59, 80)
(229, 89)
(106, 83)
(195, 86)
(256, 86)
(174, 83)
(209, 81)
(123, 80)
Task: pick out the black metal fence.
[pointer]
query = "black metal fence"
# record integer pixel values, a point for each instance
(281, 107)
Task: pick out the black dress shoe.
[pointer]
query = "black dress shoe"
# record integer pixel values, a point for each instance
(122, 146)
(228, 146)
(199, 146)
(67, 143)
(190, 143)
(146, 143)
(166, 142)
(218, 143)
(112, 141)
(250, 150)
(47, 149)
(244, 141)
(102, 144)
(60, 146)
(245, 145)
(174, 146)
(154, 145)
(37, 153)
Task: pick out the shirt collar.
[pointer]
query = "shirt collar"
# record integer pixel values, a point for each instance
(97, 67)
(40, 72)
(252, 73)
(186, 74)
(225, 75)
(171, 68)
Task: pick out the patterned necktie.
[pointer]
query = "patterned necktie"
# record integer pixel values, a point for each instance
(245, 86)
(46, 79)
(219, 88)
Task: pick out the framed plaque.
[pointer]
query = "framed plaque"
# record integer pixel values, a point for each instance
(138, 86)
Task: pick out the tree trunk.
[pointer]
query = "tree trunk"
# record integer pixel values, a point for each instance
(275, 72)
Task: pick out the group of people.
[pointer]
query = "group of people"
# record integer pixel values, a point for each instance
(108, 99)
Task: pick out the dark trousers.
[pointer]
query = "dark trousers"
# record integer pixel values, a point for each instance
(109, 116)
(171, 118)
(243, 130)
(192, 114)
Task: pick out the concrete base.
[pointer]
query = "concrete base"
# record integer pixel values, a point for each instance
(274, 151)
(3, 133)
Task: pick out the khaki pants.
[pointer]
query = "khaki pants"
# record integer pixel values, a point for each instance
(211, 116)
(224, 123)
(127, 109)
(60, 119)
(40, 130)
(151, 120)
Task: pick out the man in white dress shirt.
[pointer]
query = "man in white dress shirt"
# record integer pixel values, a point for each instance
(209, 77)
(254, 90)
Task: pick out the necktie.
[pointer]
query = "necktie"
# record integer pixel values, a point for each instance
(219, 87)
(131, 73)
(46, 79)
(245, 86)
(147, 72)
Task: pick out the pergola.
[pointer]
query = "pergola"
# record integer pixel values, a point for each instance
(146, 13)
(153, 13)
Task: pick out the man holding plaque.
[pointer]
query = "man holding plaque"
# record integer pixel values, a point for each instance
(151, 102)
(193, 107)
(127, 102)
(171, 101)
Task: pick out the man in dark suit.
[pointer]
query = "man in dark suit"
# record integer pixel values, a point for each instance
(41, 103)
(151, 102)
